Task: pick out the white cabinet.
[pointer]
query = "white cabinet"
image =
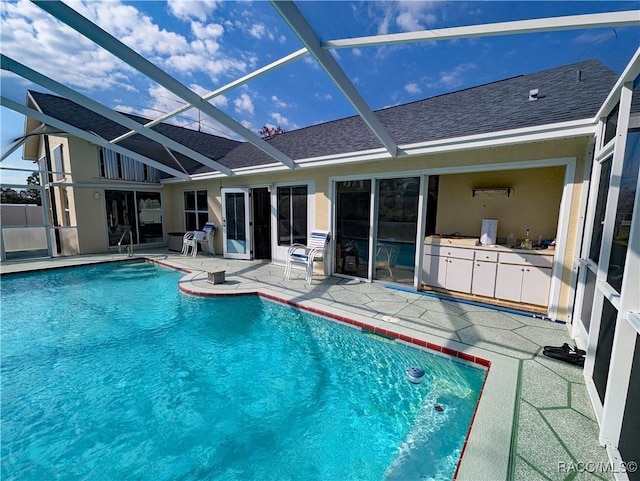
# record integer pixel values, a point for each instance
(459, 272)
(448, 267)
(484, 278)
(509, 282)
(512, 275)
(434, 270)
(527, 280)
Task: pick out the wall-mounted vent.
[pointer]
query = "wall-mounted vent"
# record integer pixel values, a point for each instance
(534, 94)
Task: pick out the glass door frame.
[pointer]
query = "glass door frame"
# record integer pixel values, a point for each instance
(373, 221)
(247, 222)
(626, 329)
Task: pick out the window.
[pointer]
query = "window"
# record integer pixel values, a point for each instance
(119, 165)
(103, 168)
(292, 215)
(65, 207)
(113, 165)
(58, 163)
(196, 210)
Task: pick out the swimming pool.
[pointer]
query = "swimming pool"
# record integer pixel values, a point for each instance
(108, 372)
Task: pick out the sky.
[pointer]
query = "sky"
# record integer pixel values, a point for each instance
(206, 44)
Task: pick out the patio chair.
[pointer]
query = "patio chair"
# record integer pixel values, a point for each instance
(303, 256)
(187, 243)
(386, 257)
(190, 242)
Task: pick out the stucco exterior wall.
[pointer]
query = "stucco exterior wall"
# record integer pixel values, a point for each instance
(534, 204)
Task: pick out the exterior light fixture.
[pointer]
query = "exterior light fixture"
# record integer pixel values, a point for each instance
(492, 191)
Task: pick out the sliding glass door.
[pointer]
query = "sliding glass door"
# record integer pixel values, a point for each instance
(376, 226)
(396, 229)
(353, 219)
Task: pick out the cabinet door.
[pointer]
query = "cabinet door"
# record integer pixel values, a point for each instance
(535, 285)
(484, 278)
(509, 282)
(434, 270)
(459, 272)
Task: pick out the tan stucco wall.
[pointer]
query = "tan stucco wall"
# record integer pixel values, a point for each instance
(89, 212)
(533, 202)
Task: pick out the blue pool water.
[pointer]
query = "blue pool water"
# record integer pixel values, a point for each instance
(108, 372)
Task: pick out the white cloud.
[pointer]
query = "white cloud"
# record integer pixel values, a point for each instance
(189, 9)
(132, 27)
(278, 103)
(356, 52)
(163, 101)
(33, 37)
(406, 16)
(454, 78)
(258, 30)
(594, 37)
(219, 101)
(324, 96)
(413, 88)
(243, 104)
(281, 120)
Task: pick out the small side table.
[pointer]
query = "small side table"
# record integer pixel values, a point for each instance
(216, 276)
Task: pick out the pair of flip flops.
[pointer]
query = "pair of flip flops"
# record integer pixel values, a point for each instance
(566, 353)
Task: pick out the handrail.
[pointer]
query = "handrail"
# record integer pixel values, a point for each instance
(130, 246)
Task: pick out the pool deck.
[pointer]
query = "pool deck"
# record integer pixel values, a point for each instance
(534, 420)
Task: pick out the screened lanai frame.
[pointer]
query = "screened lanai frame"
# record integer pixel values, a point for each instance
(607, 314)
(313, 47)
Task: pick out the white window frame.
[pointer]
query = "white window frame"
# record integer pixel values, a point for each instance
(195, 211)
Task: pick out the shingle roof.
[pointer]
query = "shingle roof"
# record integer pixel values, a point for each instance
(212, 146)
(566, 93)
(492, 107)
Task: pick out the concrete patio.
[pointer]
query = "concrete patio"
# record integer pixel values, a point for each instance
(534, 420)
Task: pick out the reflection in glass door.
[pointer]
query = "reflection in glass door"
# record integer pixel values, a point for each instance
(397, 223)
(235, 208)
(149, 217)
(121, 215)
(353, 208)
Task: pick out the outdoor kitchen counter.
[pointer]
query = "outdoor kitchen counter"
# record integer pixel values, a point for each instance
(445, 242)
(498, 272)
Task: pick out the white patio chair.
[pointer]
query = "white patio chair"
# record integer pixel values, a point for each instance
(304, 256)
(190, 242)
(187, 243)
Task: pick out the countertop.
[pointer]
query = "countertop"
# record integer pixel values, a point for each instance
(446, 242)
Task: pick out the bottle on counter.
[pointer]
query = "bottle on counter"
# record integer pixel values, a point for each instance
(526, 243)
